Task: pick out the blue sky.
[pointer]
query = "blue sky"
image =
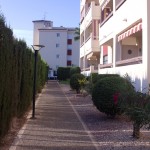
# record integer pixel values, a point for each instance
(19, 14)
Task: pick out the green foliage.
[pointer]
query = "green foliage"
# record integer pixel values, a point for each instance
(106, 92)
(77, 34)
(82, 83)
(136, 106)
(74, 70)
(63, 73)
(74, 81)
(95, 77)
(16, 76)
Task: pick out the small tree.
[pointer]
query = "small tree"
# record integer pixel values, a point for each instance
(74, 82)
(74, 70)
(136, 106)
(82, 83)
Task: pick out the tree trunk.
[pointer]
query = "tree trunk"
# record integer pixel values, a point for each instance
(136, 130)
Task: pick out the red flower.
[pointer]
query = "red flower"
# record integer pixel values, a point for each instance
(115, 97)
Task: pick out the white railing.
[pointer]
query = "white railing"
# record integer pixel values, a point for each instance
(135, 60)
(106, 65)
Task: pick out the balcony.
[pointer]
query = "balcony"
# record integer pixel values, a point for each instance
(126, 62)
(106, 19)
(87, 71)
(91, 44)
(91, 12)
(106, 11)
(106, 66)
(135, 60)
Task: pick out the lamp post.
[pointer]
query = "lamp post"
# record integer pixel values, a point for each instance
(36, 48)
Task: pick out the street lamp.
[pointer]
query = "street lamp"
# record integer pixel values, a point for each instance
(36, 48)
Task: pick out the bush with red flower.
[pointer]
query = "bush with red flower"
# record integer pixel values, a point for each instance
(106, 93)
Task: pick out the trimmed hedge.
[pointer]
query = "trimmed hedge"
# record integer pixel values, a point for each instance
(63, 73)
(74, 70)
(74, 83)
(16, 76)
(106, 93)
(95, 77)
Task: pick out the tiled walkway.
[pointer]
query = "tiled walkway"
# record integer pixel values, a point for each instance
(57, 126)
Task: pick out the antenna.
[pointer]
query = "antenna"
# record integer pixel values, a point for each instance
(44, 16)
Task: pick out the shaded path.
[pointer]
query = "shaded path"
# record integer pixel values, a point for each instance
(57, 127)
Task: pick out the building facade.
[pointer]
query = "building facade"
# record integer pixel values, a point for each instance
(61, 50)
(89, 36)
(124, 35)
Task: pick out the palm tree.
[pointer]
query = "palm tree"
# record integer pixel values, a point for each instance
(77, 33)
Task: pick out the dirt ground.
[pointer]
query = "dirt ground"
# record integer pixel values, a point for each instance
(16, 125)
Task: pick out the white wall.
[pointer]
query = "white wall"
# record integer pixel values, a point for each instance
(75, 47)
(49, 39)
(38, 25)
(129, 13)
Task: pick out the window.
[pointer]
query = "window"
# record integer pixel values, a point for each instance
(69, 63)
(57, 56)
(58, 34)
(69, 41)
(57, 45)
(47, 24)
(69, 52)
(105, 59)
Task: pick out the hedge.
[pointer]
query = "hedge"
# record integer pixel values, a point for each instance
(16, 76)
(95, 77)
(63, 73)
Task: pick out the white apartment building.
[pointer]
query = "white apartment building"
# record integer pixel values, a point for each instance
(125, 29)
(89, 36)
(61, 50)
(124, 35)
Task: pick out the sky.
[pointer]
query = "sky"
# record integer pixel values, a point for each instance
(19, 15)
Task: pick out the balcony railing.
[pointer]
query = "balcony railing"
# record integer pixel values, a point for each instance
(91, 68)
(87, 10)
(135, 60)
(106, 19)
(132, 61)
(106, 66)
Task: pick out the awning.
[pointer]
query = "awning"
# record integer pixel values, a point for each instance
(104, 4)
(130, 31)
(105, 50)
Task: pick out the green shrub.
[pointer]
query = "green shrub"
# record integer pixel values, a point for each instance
(74, 81)
(106, 92)
(63, 73)
(74, 70)
(16, 76)
(136, 106)
(95, 77)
